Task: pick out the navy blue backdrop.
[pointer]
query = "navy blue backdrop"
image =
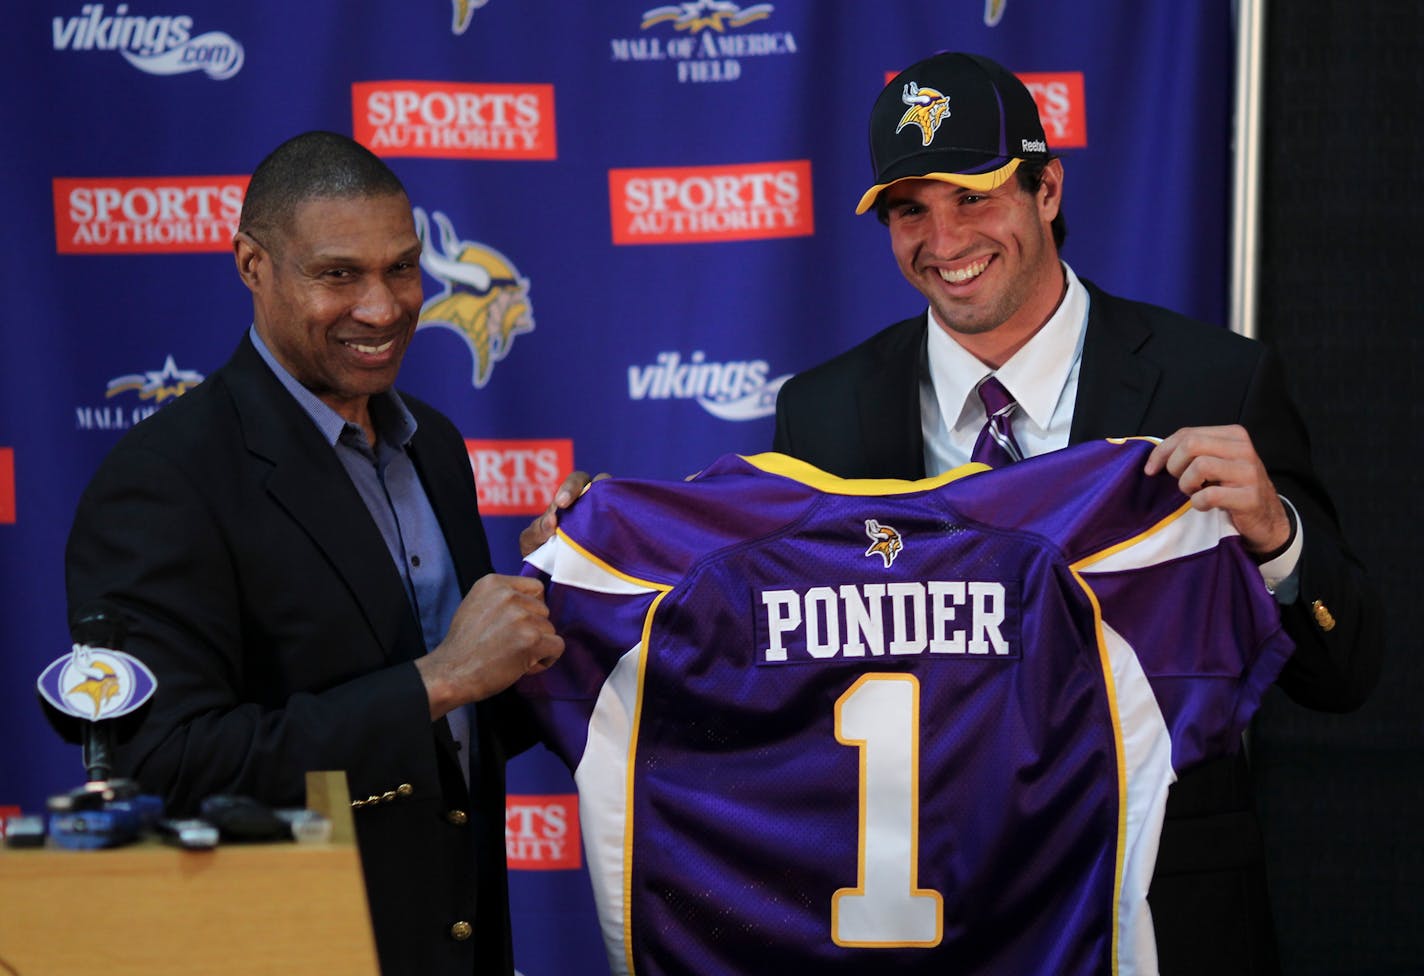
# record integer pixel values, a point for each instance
(639, 218)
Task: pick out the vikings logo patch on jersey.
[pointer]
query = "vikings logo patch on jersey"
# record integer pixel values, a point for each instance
(485, 301)
(885, 541)
(928, 107)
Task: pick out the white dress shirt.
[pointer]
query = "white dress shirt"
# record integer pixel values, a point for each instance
(1043, 378)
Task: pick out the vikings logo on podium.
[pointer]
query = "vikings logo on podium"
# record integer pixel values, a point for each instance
(485, 300)
(927, 110)
(96, 683)
(885, 541)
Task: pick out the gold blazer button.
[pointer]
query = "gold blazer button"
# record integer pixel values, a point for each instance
(1324, 619)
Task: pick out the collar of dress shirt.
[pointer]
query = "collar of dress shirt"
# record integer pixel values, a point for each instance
(1034, 375)
(393, 420)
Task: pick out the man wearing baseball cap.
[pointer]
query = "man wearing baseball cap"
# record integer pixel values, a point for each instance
(972, 195)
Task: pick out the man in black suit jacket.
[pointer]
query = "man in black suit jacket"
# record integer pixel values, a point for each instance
(299, 555)
(972, 198)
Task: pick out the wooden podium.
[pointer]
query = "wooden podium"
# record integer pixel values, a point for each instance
(154, 910)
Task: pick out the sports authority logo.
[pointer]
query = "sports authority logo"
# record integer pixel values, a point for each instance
(693, 204)
(737, 390)
(885, 541)
(160, 45)
(704, 39)
(7, 486)
(96, 683)
(151, 389)
(147, 215)
(485, 301)
(519, 477)
(454, 120)
(1061, 107)
(928, 107)
(541, 833)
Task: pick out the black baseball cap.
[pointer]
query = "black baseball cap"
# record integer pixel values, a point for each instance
(958, 118)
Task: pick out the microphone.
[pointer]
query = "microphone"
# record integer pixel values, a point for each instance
(96, 695)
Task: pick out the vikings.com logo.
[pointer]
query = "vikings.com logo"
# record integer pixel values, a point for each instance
(485, 300)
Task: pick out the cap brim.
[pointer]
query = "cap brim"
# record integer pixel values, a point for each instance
(983, 182)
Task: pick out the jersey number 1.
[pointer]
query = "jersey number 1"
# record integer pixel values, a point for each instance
(880, 715)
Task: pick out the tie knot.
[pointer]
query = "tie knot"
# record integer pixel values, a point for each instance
(996, 398)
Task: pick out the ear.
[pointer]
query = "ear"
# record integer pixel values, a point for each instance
(253, 260)
(1050, 191)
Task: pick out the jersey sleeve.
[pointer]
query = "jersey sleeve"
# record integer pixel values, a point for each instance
(1189, 604)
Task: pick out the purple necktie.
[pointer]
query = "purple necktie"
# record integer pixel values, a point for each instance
(996, 446)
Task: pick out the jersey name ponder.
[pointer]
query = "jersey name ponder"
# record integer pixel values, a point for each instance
(882, 726)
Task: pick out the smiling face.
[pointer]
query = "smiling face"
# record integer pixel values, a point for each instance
(985, 260)
(336, 294)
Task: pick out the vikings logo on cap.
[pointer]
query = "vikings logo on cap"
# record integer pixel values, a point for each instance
(485, 301)
(927, 110)
(885, 541)
(978, 146)
(96, 683)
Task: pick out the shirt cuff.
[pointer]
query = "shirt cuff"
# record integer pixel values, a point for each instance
(1281, 572)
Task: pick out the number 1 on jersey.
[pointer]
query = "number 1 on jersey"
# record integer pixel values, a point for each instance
(880, 715)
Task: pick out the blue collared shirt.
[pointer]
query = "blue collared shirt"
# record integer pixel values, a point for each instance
(387, 481)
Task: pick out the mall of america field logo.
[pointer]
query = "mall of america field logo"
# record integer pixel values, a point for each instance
(159, 45)
(705, 39)
(151, 389)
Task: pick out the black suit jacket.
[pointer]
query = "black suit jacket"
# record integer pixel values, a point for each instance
(261, 595)
(1146, 370)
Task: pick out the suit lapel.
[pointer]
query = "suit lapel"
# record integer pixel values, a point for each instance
(892, 440)
(307, 480)
(1115, 383)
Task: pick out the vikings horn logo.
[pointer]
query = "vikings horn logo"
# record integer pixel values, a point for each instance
(464, 10)
(485, 300)
(100, 683)
(994, 11)
(885, 541)
(927, 110)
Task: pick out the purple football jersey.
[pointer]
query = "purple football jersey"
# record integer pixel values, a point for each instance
(835, 726)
